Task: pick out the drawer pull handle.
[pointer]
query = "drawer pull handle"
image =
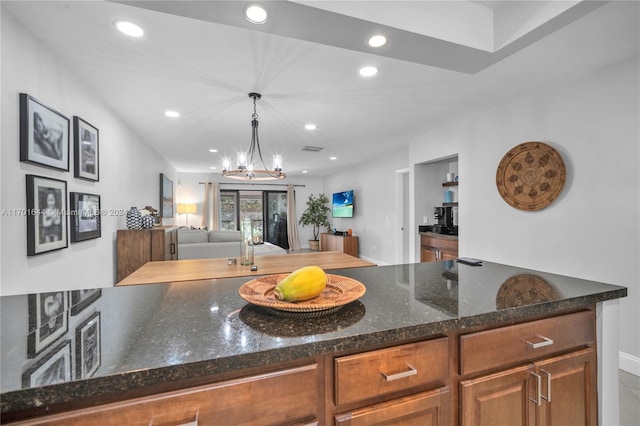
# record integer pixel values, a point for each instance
(545, 342)
(548, 397)
(537, 399)
(410, 372)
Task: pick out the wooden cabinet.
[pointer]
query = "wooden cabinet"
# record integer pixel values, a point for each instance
(135, 247)
(548, 389)
(434, 248)
(292, 399)
(372, 374)
(424, 409)
(557, 391)
(342, 243)
(401, 372)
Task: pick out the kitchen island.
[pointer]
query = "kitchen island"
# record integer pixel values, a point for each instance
(166, 351)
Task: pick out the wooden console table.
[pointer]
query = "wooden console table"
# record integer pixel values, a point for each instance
(343, 243)
(207, 269)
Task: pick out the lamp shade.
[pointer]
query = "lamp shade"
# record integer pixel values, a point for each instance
(187, 208)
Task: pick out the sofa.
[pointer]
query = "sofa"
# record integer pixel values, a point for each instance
(203, 244)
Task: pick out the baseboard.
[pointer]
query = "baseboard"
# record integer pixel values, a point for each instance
(629, 363)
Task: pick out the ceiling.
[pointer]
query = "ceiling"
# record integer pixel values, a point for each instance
(444, 60)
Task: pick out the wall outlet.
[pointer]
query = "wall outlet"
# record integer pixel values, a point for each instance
(373, 249)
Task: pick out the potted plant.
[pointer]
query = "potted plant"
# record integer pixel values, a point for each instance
(316, 216)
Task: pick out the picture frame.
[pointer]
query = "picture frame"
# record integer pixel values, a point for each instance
(44, 134)
(48, 320)
(85, 216)
(86, 159)
(46, 215)
(88, 347)
(53, 368)
(81, 299)
(166, 196)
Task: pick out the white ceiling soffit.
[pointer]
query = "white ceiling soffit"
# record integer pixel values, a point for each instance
(454, 35)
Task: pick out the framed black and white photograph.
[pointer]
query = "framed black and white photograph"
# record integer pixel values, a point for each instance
(88, 348)
(86, 154)
(166, 196)
(48, 320)
(55, 367)
(46, 215)
(85, 216)
(81, 299)
(44, 134)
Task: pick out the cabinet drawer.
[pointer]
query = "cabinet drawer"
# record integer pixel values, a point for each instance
(505, 346)
(278, 398)
(440, 243)
(376, 373)
(424, 409)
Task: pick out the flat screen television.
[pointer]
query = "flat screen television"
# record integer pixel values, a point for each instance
(342, 204)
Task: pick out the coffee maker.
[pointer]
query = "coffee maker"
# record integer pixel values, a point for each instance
(444, 220)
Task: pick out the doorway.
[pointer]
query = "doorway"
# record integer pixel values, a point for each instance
(402, 233)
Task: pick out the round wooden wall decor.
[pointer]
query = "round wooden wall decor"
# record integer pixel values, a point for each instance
(530, 176)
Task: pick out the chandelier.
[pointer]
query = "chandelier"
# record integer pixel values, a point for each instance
(245, 165)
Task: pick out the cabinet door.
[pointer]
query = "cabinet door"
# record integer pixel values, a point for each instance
(428, 254)
(423, 409)
(500, 399)
(571, 382)
(448, 255)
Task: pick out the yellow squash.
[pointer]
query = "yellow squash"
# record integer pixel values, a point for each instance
(302, 284)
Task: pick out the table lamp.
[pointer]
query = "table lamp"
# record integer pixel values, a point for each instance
(185, 208)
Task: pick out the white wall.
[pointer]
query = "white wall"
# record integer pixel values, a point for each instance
(592, 229)
(375, 220)
(190, 191)
(129, 170)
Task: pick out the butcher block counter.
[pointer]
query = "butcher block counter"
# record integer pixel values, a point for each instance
(425, 340)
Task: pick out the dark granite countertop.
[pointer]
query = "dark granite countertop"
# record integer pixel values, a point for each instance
(158, 333)
(436, 235)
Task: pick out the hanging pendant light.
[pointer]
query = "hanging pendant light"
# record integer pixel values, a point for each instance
(245, 161)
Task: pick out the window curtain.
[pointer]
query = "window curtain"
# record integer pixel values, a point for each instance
(292, 221)
(211, 207)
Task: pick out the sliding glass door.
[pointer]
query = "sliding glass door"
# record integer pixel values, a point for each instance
(275, 207)
(229, 210)
(267, 211)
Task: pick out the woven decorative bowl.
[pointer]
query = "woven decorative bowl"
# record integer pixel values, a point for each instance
(531, 176)
(338, 292)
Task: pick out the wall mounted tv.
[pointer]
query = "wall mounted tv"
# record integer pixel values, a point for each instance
(342, 204)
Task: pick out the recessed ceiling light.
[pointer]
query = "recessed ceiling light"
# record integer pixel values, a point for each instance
(377, 40)
(213, 150)
(256, 14)
(172, 114)
(305, 172)
(310, 126)
(129, 28)
(333, 158)
(368, 71)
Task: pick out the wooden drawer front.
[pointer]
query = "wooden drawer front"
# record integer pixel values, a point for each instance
(423, 409)
(278, 398)
(440, 243)
(506, 346)
(371, 374)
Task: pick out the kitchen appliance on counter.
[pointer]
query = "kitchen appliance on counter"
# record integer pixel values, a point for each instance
(444, 221)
